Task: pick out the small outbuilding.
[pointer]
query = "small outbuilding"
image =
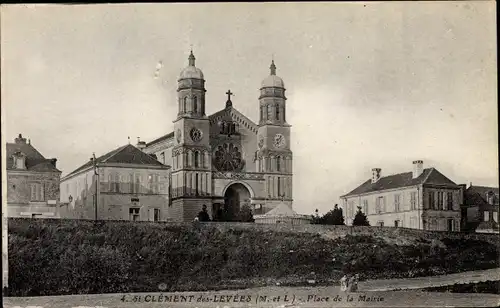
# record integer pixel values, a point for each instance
(282, 214)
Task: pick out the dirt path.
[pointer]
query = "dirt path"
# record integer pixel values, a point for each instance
(433, 281)
(370, 295)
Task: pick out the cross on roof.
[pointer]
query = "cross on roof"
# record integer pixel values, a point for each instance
(229, 93)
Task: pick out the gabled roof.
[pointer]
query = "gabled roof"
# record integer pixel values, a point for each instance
(234, 115)
(225, 113)
(428, 176)
(127, 154)
(164, 137)
(281, 210)
(34, 160)
(476, 195)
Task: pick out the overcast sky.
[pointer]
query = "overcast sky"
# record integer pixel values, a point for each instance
(368, 84)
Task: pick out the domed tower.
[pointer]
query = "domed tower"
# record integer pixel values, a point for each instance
(191, 90)
(274, 156)
(191, 159)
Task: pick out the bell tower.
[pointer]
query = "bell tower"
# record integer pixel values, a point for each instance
(191, 158)
(274, 156)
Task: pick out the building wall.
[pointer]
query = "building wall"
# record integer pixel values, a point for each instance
(415, 214)
(437, 213)
(162, 149)
(407, 213)
(119, 190)
(19, 198)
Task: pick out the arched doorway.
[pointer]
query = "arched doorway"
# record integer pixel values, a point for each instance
(235, 196)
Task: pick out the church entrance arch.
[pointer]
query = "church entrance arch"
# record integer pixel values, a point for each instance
(236, 195)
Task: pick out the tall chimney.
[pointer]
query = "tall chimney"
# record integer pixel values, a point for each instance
(20, 139)
(376, 174)
(141, 145)
(418, 168)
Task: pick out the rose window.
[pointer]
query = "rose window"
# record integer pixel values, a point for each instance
(228, 158)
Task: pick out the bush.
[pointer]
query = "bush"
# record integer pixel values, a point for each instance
(53, 257)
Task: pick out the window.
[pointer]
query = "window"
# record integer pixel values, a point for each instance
(278, 164)
(277, 112)
(262, 113)
(269, 112)
(279, 187)
(162, 157)
(156, 216)
(396, 223)
(137, 184)
(133, 213)
(449, 201)
(380, 205)
(396, 203)
(432, 200)
(365, 207)
(450, 225)
(486, 216)
(37, 192)
(413, 200)
(114, 182)
(131, 183)
(150, 183)
(350, 209)
(185, 103)
(495, 216)
(195, 104)
(196, 159)
(440, 205)
(380, 223)
(196, 184)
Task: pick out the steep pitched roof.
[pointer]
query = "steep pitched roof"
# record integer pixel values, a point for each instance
(164, 137)
(127, 154)
(428, 176)
(476, 195)
(34, 160)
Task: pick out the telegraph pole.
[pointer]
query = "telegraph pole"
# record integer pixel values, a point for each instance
(96, 182)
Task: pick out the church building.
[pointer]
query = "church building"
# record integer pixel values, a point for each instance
(225, 160)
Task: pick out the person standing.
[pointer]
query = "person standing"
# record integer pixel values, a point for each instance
(353, 283)
(343, 283)
(203, 214)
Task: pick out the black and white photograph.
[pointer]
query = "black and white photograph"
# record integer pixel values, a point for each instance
(267, 154)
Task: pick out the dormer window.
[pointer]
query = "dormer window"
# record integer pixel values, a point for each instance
(19, 160)
(490, 197)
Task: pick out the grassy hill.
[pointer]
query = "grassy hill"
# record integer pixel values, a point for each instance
(55, 257)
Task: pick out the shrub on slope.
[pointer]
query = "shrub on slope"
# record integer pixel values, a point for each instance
(49, 257)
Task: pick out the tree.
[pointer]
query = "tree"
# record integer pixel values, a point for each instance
(316, 220)
(360, 219)
(245, 214)
(333, 217)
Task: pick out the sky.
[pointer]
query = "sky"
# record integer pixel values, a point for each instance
(369, 85)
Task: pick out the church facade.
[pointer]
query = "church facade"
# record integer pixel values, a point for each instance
(225, 160)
